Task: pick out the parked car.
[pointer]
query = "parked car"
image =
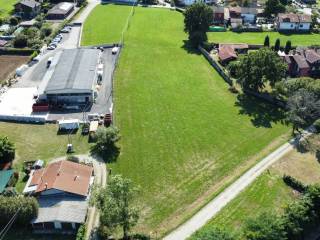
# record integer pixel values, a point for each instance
(52, 46)
(115, 50)
(65, 29)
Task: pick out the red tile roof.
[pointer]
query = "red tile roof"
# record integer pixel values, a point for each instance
(226, 53)
(64, 176)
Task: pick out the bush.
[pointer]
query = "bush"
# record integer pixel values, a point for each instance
(46, 30)
(13, 21)
(316, 125)
(7, 150)
(294, 183)
(28, 207)
(34, 43)
(20, 41)
(81, 234)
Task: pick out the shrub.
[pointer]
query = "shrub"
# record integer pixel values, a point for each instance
(46, 30)
(81, 234)
(20, 41)
(7, 150)
(294, 183)
(28, 209)
(13, 21)
(316, 125)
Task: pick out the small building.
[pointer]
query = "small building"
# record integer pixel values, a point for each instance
(218, 15)
(60, 11)
(5, 178)
(229, 52)
(71, 79)
(291, 22)
(70, 124)
(62, 189)
(27, 8)
(235, 12)
(249, 15)
(3, 43)
(300, 66)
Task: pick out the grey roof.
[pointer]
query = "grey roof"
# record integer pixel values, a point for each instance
(74, 72)
(29, 3)
(61, 8)
(62, 209)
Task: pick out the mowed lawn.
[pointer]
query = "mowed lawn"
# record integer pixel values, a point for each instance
(97, 32)
(6, 6)
(184, 135)
(258, 38)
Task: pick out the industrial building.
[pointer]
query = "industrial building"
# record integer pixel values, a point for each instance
(71, 79)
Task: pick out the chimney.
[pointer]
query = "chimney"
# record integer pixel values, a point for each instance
(46, 185)
(76, 177)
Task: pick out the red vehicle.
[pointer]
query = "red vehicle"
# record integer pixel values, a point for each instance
(40, 107)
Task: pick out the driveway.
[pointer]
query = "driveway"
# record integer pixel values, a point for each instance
(212, 208)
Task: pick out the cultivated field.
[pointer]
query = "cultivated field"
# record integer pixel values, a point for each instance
(6, 6)
(184, 135)
(269, 192)
(8, 64)
(258, 38)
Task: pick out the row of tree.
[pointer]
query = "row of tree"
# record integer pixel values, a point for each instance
(277, 45)
(299, 218)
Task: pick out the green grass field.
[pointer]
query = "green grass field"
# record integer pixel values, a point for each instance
(184, 135)
(267, 193)
(97, 32)
(6, 6)
(258, 38)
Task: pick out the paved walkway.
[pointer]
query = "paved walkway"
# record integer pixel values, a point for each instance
(213, 207)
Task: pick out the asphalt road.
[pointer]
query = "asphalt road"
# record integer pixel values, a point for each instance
(212, 208)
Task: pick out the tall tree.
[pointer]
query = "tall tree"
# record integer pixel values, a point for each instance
(197, 19)
(105, 146)
(260, 67)
(273, 7)
(265, 227)
(277, 45)
(287, 47)
(116, 204)
(266, 41)
(7, 150)
(304, 109)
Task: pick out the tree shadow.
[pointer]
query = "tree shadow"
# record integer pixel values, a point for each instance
(189, 48)
(109, 155)
(262, 114)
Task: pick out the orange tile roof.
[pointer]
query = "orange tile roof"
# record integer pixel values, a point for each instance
(64, 176)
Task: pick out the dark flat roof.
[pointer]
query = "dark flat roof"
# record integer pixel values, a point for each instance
(74, 72)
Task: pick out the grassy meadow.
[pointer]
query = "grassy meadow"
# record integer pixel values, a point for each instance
(184, 135)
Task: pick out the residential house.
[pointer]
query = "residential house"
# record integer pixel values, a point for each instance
(303, 62)
(229, 52)
(218, 15)
(236, 22)
(27, 8)
(62, 190)
(249, 15)
(6, 176)
(60, 11)
(293, 22)
(235, 12)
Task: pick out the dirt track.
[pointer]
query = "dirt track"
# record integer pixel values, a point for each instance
(9, 63)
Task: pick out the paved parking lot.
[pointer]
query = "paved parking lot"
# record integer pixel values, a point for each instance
(35, 73)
